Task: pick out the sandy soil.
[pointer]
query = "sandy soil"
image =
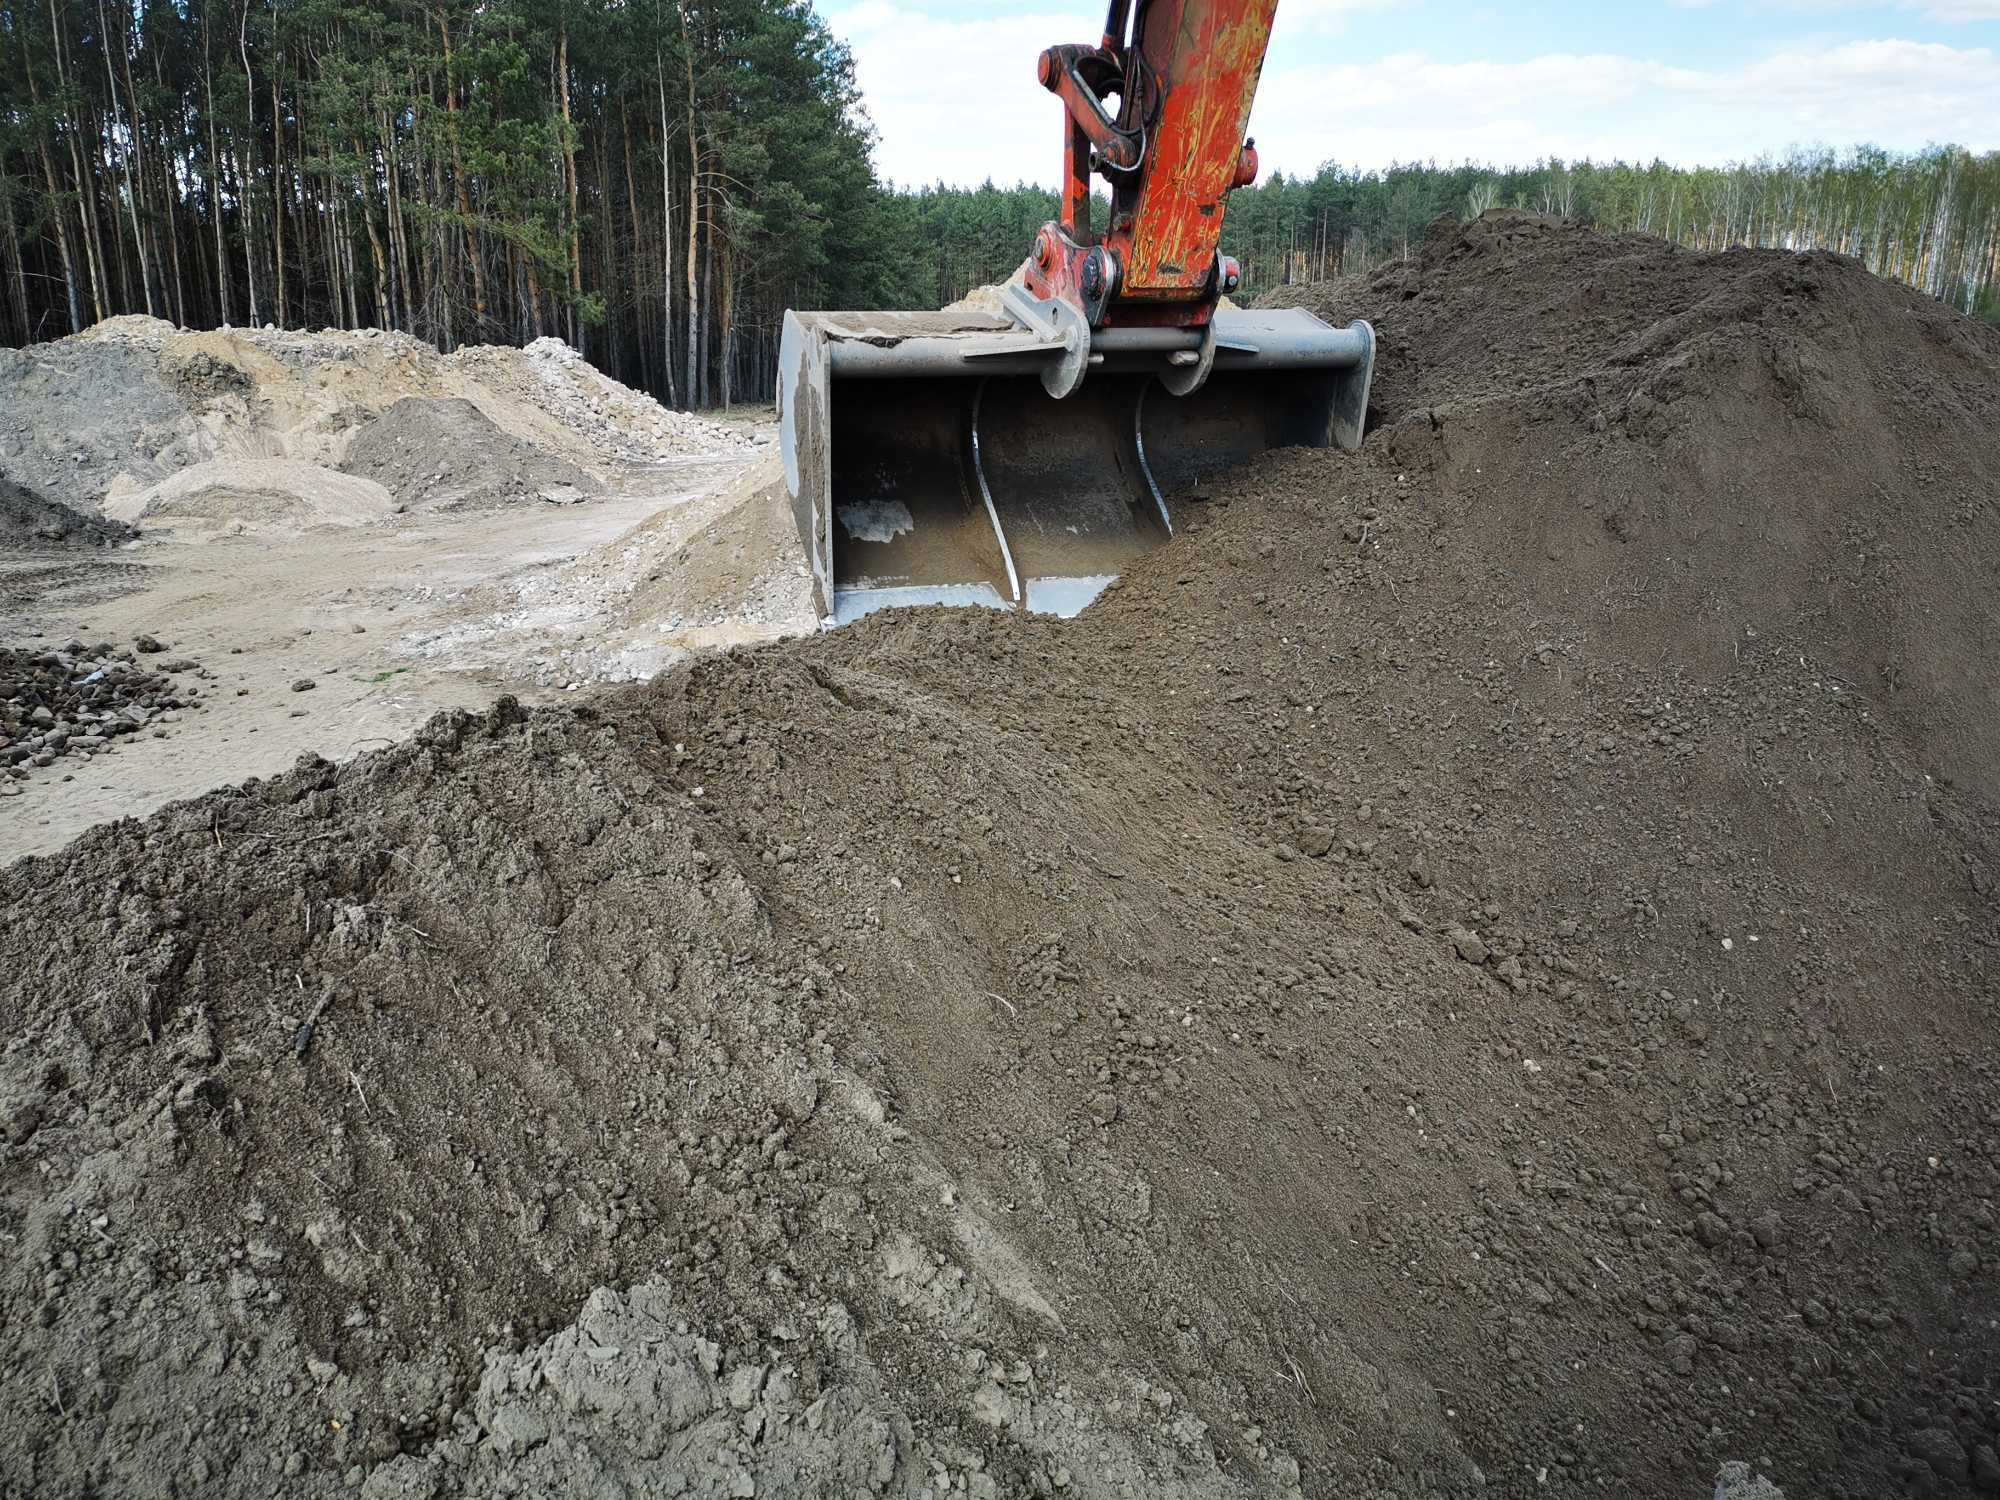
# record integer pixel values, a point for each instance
(390, 622)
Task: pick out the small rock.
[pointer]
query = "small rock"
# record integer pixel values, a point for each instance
(744, 1385)
(304, 685)
(1470, 946)
(149, 644)
(1711, 1229)
(1964, 1262)
(1734, 1481)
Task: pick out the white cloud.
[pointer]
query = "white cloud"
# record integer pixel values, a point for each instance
(1410, 107)
(1955, 10)
(956, 99)
(1951, 12)
(1326, 17)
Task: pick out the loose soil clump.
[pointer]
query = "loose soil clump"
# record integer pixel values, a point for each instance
(60, 707)
(1469, 972)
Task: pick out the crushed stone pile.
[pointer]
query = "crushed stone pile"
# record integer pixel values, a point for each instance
(609, 418)
(29, 521)
(446, 454)
(61, 707)
(78, 413)
(1469, 972)
(133, 401)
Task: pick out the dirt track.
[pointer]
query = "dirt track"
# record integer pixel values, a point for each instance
(1470, 972)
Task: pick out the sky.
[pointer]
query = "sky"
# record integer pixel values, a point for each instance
(950, 84)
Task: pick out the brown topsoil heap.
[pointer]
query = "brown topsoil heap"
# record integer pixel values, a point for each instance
(29, 521)
(1470, 972)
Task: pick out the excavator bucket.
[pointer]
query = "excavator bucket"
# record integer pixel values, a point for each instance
(928, 462)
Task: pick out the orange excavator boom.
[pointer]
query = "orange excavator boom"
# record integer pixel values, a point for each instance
(1020, 459)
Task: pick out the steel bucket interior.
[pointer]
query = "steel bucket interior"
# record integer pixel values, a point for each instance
(981, 489)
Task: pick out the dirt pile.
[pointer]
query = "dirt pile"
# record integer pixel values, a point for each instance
(77, 413)
(1445, 981)
(62, 707)
(448, 455)
(29, 521)
(1724, 449)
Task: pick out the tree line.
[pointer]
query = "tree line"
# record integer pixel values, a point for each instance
(1931, 219)
(652, 180)
(657, 180)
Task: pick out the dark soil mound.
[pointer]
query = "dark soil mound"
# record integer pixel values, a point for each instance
(446, 454)
(1731, 446)
(1462, 975)
(27, 520)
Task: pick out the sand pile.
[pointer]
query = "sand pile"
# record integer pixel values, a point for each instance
(233, 496)
(1443, 982)
(448, 455)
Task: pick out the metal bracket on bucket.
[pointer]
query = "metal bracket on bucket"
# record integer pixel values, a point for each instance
(1059, 331)
(1187, 369)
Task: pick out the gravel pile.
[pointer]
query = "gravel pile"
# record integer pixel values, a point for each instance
(64, 706)
(446, 454)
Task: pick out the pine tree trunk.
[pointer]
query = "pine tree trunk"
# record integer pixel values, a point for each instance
(727, 311)
(708, 301)
(168, 176)
(61, 221)
(463, 195)
(694, 225)
(129, 156)
(247, 175)
(666, 238)
(85, 197)
(382, 310)
(215, 181)
(277, 191)
(638, 257)
(569, 177)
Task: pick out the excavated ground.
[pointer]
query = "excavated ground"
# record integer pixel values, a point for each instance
(1470, 972)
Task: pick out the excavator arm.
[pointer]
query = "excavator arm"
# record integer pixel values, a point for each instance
(1184, 75)
(1021, 458)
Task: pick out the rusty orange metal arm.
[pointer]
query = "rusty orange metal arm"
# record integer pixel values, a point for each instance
(1172, 151)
